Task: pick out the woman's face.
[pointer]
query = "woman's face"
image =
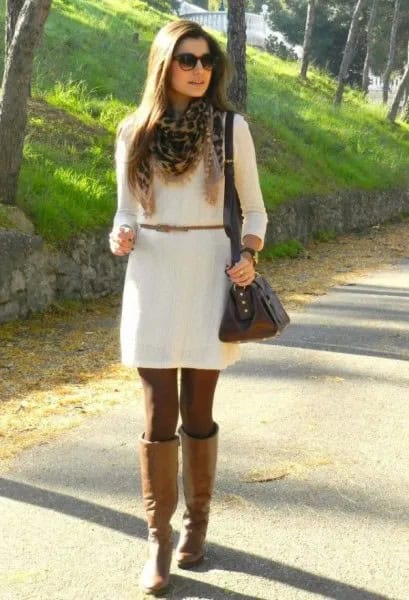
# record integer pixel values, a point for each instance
(186, 84)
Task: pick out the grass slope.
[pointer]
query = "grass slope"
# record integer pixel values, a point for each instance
(90, 71)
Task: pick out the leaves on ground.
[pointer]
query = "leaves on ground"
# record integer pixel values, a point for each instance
(58, 368)
(298, 469)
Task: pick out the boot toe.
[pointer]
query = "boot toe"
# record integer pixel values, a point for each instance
(186, 561)
(189, 557)
(152, 582)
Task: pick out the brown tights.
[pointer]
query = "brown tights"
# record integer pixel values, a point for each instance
(197, 389)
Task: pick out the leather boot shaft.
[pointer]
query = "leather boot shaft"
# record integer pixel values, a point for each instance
(199, 468)
(159, 471)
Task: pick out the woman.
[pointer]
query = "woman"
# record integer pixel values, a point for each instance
(169, 161)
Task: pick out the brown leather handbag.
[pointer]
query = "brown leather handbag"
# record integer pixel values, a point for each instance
(253, 312)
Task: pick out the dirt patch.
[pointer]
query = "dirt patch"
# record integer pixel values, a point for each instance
(60, 367)
(46, 123)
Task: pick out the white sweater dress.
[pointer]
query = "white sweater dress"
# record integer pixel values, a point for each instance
(175, 286)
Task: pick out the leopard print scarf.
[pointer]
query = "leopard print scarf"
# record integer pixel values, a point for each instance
(178, 146)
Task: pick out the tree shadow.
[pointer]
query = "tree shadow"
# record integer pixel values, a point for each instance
(230, 559)
(275, 366)
(345, 343)
(372, 290)
(315, 328)
(345, 322)
(78, 46)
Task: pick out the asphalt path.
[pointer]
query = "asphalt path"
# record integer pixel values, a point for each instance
(313, 473)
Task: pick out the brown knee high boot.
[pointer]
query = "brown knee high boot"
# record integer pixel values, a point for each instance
(199, 468)
(159, 469)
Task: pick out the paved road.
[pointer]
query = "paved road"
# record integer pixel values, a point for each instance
(323, 414)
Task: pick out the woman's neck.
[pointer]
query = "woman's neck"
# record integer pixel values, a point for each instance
(178, 104)
(179, 108)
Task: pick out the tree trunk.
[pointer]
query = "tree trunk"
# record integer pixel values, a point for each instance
(348, 51)
(392, 52)
(12, 13)
(404, 82)
(16, 83)
(369, 47)
(13, 8)
(307, 39)
(236, 49)
(406, 94)
(405, 115)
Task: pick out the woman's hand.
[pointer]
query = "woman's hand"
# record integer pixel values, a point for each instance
(243, 272)
(122, 240)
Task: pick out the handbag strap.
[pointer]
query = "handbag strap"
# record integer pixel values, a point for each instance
(232, 218)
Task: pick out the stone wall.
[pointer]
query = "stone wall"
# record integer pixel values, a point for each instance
(343, 212)
(33, 275)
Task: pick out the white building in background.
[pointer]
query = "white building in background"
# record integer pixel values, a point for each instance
(257, 29)
(377, 83)
(186, 7)
(375, 90)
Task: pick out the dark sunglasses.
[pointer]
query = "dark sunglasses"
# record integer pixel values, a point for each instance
(188, 61)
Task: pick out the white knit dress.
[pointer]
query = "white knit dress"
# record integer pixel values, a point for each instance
(175, 287)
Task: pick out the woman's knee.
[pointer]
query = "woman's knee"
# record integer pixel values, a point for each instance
(161, 403)
(160, 427)
(196, 401)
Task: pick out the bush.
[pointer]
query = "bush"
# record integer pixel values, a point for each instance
(289, 249)
(279, 48)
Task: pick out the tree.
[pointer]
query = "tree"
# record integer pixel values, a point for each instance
(348, 51)
(202, 3)
(276, 46)
(307, 38)
(15, 87)
(236, 49)
(13, 8)
(253, 6)
(369, 46)
(403, 85)
(405, 112)
(331, 26)
(332, 19)
(392, 52)
(382, 34)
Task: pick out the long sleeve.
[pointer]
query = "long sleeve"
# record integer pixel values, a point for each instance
(126, 213)
(247, 180)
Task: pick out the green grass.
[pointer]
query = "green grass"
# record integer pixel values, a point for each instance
(89, 73)
(324, 236)
(67, 183)
(5, 221)
(290, 249)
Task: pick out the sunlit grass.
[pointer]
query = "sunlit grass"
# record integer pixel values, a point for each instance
(79, 100)
(62, 198)
(92, 67)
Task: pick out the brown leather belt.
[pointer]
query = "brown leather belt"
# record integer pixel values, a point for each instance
(168, 228)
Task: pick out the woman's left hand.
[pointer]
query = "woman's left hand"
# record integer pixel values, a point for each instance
(243, 272)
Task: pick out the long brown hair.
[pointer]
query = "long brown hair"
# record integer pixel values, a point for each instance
(155, 100)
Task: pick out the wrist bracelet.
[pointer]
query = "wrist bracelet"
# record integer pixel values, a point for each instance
(253, 253)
